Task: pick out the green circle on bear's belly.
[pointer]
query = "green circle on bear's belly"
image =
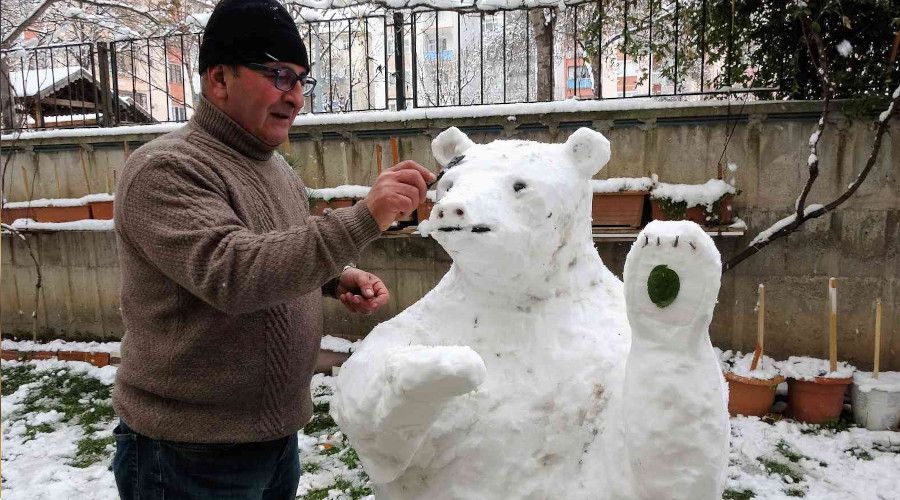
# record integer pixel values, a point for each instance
(663, 285)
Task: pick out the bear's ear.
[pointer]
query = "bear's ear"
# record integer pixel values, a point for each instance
(588, 149)
(449, 144)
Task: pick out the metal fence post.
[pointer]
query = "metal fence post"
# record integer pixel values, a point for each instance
(399, 64)
(106, 97)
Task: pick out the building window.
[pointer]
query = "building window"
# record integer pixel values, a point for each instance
(175, 75)
(179, 113)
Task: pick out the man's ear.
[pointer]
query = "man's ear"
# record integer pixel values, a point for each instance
(216, 82)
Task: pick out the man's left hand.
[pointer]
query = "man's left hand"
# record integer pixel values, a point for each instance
(361, 292)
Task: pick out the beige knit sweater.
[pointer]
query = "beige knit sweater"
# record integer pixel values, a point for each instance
(222, 268)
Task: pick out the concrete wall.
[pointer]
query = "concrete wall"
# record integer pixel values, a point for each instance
(858, 243)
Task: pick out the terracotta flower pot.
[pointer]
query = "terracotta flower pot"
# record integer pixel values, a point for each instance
(423, 212)
(817, 401)
(697, 213)
(326, 360)
(317, 206)
(11, 214)
(624, 208)
(101, 210)
(62, 214)
(750, 396)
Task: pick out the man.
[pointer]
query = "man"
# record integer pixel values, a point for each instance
(223, 272)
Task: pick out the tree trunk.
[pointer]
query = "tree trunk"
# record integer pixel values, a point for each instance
(7, 96)
(543, 22)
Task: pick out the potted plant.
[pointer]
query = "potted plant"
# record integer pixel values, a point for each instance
(815, 391)
(101, 205)
(751, 389)
(333, 351)
(619, 201)
(336, 197)
(708, 204)
(875, 395)
(47, 210)
(423, 212)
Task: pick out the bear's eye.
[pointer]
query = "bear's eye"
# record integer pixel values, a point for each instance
(518, 186)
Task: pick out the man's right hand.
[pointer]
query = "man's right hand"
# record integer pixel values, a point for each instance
(397, 192)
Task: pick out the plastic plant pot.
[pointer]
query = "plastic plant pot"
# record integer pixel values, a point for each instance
(875, 408)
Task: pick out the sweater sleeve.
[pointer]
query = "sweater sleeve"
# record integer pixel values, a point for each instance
(180, 219)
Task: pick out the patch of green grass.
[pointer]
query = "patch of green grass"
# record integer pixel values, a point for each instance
(783, 470)
(16, 376)
(795, 492)
(350, 459)
(310, 467)
(319, 423)
(861, 454)
(91, 450)
(33, 430)
(322, 390)
(785, 449)
(738, 495)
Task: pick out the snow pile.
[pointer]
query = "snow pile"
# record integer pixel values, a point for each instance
(788, 459)
(617, 184)
(739, 364)
(886, 381)
(693, 194)
(60, 202)
(806, 368)
(345, 191)
(469, 378)
(337, 344)
(60, 345)
(79, 225)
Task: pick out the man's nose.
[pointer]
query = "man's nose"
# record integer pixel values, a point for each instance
(294, 97)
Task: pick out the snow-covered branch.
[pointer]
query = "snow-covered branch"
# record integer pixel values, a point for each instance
(789, 224)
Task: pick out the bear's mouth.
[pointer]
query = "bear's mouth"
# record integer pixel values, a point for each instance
(477, 228)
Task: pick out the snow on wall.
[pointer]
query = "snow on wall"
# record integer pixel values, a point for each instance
(617, 184)
(79, 225)
(693, 194)
(60, 202)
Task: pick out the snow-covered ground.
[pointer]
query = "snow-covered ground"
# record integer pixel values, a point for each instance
(57, 443)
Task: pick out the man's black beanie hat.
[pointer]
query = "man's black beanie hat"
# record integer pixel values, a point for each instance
(251, 31)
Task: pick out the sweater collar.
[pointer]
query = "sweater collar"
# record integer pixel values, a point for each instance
(219, 125)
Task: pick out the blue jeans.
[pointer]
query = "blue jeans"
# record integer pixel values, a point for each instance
(155, 469)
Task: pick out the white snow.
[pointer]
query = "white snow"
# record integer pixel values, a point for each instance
(693, 194)
(616, 184)
(60, 345)
(739, 364)
(344, 191)
(764, 235)
(806, 368)
(44, 80)
(830, 465)
(738, 224)
(477, 111)
(80, 225)
(845, 48)
(337, 344)
(886, 381)
(60, 202)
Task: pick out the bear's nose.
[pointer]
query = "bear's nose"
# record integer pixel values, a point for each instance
(451, 211)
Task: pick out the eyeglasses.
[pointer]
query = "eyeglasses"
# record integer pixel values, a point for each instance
(284, 79)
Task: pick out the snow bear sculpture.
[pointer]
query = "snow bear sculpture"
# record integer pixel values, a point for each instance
(523, 374)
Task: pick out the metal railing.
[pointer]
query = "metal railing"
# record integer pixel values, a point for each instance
(427, 58)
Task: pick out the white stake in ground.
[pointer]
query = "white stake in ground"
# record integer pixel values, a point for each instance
(877, 338)
(832, 320)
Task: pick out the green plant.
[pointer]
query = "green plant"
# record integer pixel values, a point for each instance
(737, 495)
